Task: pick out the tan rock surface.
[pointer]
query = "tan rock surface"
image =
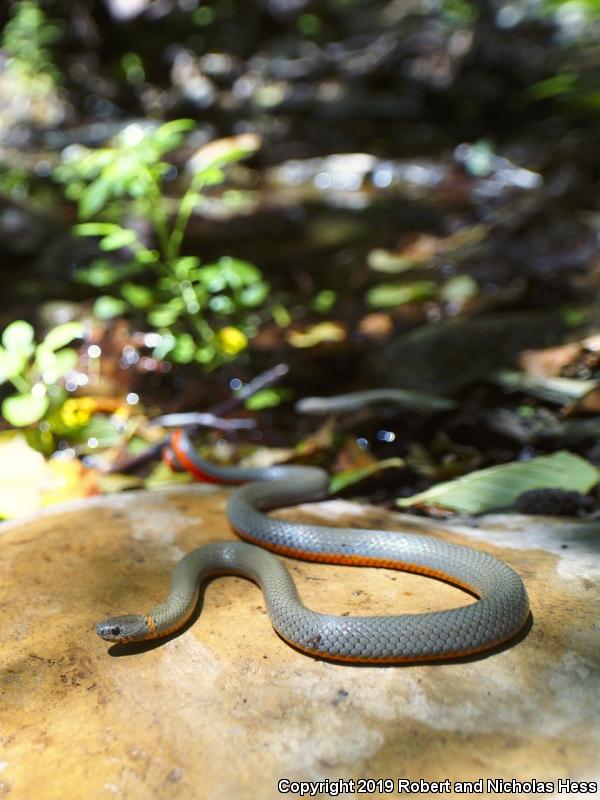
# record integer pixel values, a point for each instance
(226, 709)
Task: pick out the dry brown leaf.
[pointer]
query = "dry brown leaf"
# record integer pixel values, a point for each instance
(549, 361)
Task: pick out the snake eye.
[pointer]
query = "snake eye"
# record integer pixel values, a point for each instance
(115, 631)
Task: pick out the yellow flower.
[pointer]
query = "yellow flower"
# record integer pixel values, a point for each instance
(232, 340)
(77, 411)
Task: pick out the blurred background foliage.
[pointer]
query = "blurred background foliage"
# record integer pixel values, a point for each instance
(380, 192)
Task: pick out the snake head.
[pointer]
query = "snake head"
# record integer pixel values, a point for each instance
(128, 628)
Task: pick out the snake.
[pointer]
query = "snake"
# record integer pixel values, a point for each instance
(499, 613)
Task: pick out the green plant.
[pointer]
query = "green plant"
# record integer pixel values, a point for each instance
(27, 38)
(187, 301)
(35, 371)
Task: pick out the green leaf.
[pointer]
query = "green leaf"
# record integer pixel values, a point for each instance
(66, 361)
(254, 295)
(165, 315)
(10, 365)
(243, 270)
(103, 272)
(24, 409)
(45, 360)
(221, 304)
(124, 237)
(348, 477)
(52, 365)
(498, 487)
(185, 267)
(107, 307)
(18, 337)
(95, 229)
(62, 335)
(267, 398)
(184, 350)
(169, 135)
(556, 85)
(382, 260)
(136, 295)
(94, 197)
(390, 294)
(324, 301)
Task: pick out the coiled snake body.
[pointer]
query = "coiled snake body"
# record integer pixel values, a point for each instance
(500, 612)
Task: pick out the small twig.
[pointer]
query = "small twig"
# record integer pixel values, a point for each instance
(272, 375)
(265, 379)
(202, 420)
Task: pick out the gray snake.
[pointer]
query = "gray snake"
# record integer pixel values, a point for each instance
(500, 612)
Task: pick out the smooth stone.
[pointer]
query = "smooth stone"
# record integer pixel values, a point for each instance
(226, 709)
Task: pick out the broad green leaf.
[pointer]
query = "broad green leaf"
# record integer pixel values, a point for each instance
(94, 197)
(184, 350)
(45, 360)
(205, 354)
(243, 270)
(267, 398)
(556, 85)
(24, 409)
(348, 477)
(221, 304)
(387, 295)
(62, 335)
(107, 307)
(66, 361)
(170, 135)
(165, 315)
(498, 487)
(96, 229)
(18, 337)
(185, 267)
(10, 365)
(255, 294)
(324, 301)
(103, 272)
(124, 237)
(136, 295)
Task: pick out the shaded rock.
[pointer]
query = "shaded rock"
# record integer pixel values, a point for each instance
(446, 356)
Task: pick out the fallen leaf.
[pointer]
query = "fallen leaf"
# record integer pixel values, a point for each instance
(554, 390)
(387, 295)
(377, 325)
(549, 361)
(498, 487)
(341, 480)
(317, 334)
